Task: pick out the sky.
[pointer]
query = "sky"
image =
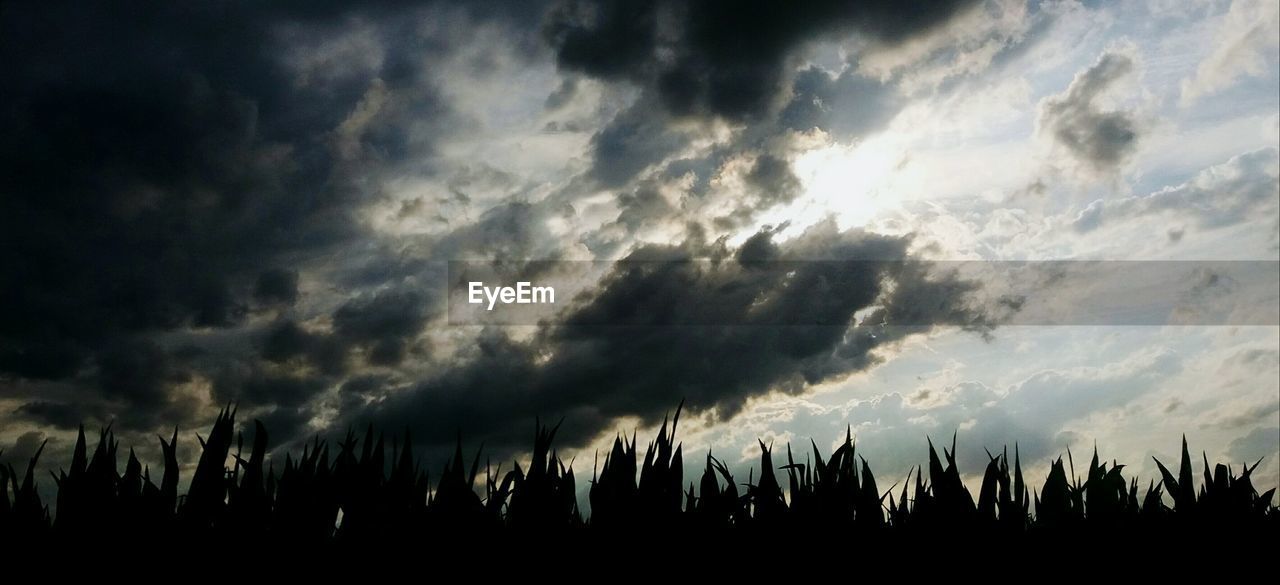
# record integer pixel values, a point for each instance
(249, 203)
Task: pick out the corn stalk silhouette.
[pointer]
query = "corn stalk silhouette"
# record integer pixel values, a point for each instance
(360, 494)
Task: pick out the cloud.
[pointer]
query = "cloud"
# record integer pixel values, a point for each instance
(24, 447)
(1240, 190)
(138, 373)
(615, 353)
(286, 399)
(384, 323)
(57, 414)
(171, 175)
(1256, 414)
(721, 77)
(1099, 140)
(253, 204)
(647, 205)
(710, 87)
(134, 371)
(772, 176)
(277, 286)
(1089, 218)
(285, 340)
(1246, 41)
(637, 138)
(725, 59)
(1036, 413)
(847, 105)
(974, 41)
(1256, 444)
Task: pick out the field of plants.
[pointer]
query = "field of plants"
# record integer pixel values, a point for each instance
(372, 488)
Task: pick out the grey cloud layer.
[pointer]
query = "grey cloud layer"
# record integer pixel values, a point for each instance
(1239, 190)
(170, 173)
(1102, 140)
(713, 61)
(185, 200)
(185, 208)
(717, 57)
(592, 374)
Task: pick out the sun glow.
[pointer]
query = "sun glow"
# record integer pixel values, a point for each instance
(856, 183)
(853, 181)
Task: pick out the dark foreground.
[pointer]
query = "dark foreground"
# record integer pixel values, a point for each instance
(359, 494)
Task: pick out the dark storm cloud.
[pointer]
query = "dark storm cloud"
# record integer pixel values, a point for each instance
(515, 229)
(277, 286)
(720, 57)
(282, 399)
(772, 176)
(770, 182)
(726, 60)
(286, 340)
(138, 373)
(666, 196)
(58, 414)
(22, 449)
(364, 385)
(642, 207)
(634, 366)
(1100, 139)
(637, 138)
(286, 425)
(562, 95)
(384, 324)
(167, 167)
(171, 180)
(130, 370)
(281, 391)
(845, 105)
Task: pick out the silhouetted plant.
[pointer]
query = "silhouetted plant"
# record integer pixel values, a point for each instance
(362, 495)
